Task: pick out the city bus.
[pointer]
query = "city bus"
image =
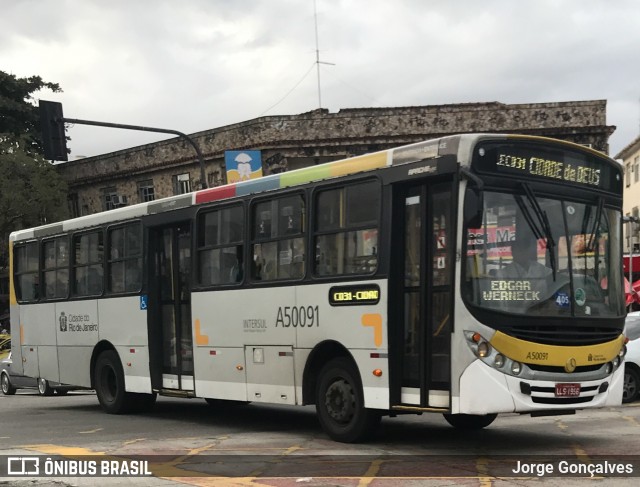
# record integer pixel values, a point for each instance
(384, 284)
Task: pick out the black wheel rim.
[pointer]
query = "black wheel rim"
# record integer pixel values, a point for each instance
(340, 401)
(630, 386)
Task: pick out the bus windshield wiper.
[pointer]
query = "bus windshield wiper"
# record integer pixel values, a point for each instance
(543, 220)
(596, 225)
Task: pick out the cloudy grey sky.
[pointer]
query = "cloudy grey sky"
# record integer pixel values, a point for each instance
(194, 65)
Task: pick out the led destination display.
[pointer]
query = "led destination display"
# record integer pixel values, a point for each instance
(530, 161)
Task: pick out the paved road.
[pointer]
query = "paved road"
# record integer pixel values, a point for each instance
(182, 439)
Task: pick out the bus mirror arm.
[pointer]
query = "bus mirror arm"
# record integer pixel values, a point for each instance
(473, 209)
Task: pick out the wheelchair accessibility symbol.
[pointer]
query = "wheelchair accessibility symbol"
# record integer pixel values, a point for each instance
(143, 302)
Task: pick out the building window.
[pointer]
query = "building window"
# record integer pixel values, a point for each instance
(214, 179)
(636, 170)
(181, 184)
(74, 207)
(627, 171)
(146, 191)
(110, 198)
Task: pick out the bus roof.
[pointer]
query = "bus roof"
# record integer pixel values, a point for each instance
(376, 160)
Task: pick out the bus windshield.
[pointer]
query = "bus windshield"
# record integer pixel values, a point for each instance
(544, 256)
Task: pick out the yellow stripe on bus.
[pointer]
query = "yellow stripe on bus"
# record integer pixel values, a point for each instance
(12, 289)
(554, 355)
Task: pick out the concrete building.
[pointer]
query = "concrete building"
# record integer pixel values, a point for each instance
(630, 157)
(289, 142)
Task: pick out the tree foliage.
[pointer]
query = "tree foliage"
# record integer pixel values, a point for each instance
(19, 116)
(31, 190)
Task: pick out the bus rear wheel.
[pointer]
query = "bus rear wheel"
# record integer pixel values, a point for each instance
(470, 421)
(109, 384)
(340, 403)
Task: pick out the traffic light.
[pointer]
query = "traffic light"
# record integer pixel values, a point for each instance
(54, 140)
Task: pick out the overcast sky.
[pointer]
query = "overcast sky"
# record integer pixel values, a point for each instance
(194, 65)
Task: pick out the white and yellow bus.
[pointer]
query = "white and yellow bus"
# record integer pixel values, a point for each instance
(380, 284)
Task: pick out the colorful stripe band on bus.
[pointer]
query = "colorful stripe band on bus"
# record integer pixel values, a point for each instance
(293, 178)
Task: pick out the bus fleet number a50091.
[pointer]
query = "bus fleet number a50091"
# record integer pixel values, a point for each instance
(298, 316)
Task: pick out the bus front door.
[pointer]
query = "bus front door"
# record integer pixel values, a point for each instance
(422, 277)
(169, 307)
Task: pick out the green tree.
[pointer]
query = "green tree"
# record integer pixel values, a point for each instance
(31, 190)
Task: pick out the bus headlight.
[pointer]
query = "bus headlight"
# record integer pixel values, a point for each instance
(616, 362)
(623, 351)
(516, 368)
(483, 349)
(609, 368)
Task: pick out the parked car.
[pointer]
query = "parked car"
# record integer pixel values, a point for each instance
(631, 390)
(10, 382)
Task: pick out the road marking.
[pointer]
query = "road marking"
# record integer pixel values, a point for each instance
(482, 466)
(67, 451)
(90, 431)
(131, 442)
(371, 473)
(561, 425)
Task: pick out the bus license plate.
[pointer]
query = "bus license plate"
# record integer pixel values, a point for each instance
(567, 390)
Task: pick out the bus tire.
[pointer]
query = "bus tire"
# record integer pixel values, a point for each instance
(109, 384)
(631, 386)
(470, 421)
(5, 385)
(340, 403)
(44, 389)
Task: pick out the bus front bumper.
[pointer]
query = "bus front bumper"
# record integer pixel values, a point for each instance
(484, 390)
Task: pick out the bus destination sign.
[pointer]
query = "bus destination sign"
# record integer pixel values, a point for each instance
(354, 295)
(565, 165)
(548, 168)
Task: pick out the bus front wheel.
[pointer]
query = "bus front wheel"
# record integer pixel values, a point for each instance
(340, 403)
(470, 421)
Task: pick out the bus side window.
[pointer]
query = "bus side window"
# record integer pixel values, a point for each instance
(124, 270)
(278, 243)
(219, 246)
(346, 230)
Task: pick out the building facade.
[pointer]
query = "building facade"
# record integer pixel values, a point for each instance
(630, 157)
(289, 142)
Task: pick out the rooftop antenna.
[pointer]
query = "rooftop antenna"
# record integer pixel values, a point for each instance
(318, 62)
